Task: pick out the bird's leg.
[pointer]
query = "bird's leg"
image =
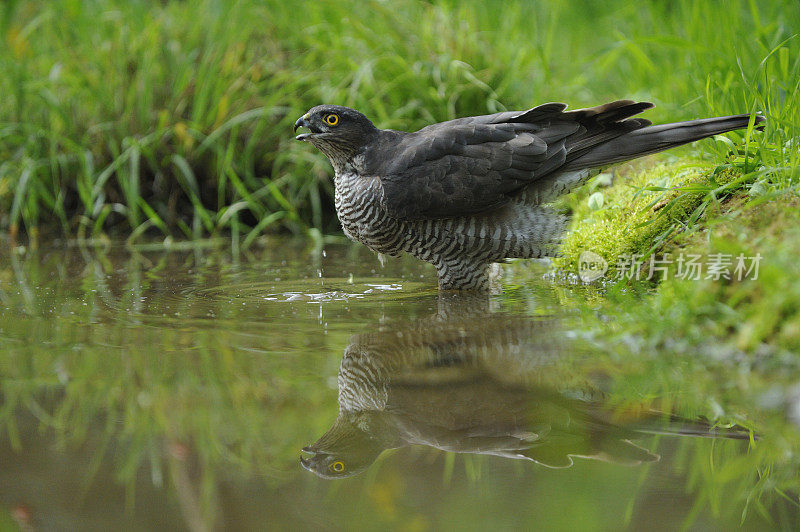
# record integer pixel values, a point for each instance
(464, 273)
(464, 305)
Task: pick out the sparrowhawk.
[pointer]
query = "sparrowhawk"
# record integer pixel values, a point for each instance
(470, 192)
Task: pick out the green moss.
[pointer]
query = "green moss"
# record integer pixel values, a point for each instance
(642, 211)
(758, 313)
(766, 311)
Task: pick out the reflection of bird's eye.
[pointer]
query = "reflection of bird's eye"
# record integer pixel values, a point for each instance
(331, 119)
(337, 466)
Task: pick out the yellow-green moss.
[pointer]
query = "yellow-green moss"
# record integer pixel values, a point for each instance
(756, 314)
(758, 311)
(642, 210)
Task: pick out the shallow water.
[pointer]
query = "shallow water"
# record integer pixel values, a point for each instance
(189, 390)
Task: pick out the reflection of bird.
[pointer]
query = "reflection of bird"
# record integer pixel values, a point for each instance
(465, 193)
(485, 385)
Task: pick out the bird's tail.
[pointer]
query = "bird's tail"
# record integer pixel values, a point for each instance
(653, 139)
(655, 422)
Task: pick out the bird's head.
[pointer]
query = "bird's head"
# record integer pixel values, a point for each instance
(338, 132)
(345, 450)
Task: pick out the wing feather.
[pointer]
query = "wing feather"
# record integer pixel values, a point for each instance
(474, 164)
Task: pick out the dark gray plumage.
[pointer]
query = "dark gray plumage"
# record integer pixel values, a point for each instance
(469, 192)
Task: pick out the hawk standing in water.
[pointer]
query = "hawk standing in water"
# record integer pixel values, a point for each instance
(470, 192)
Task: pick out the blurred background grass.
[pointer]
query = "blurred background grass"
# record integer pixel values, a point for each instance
(174, 117)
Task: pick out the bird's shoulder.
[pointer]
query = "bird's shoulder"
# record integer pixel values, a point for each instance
(473, 164)
(375, 154)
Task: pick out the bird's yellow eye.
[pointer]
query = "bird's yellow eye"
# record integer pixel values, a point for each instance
(332, 120)
(339, 465)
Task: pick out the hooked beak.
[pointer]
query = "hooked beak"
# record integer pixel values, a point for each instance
(306, 463)
(302, 122)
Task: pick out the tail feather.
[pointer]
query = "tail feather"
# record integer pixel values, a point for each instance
(653, 139)
(655, 422)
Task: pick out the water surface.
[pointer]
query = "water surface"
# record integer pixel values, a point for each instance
(292, 387)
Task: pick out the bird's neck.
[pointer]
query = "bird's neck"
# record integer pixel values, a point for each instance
(348, 165)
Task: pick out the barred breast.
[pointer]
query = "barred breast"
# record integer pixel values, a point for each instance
(358, 208)
(461, 248)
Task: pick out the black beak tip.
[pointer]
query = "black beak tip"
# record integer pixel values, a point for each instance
(301, 122)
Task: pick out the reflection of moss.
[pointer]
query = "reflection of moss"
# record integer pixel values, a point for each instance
(640, 211)
(685, 339)
(720, 328)
(719, 346)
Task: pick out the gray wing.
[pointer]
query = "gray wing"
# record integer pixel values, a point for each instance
(475, 164)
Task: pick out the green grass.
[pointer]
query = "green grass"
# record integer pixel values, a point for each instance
(174, 118)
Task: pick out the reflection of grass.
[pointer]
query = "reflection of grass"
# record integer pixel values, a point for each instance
(196, 400)
(114, 366)
(176, 116)
(723, 347)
